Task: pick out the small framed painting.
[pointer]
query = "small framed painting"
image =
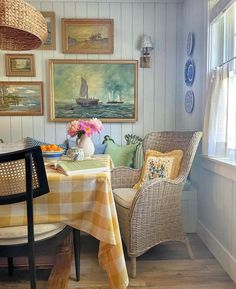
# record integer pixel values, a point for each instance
(20, 65)
(50, 43)
(89, 36)
(21, 98)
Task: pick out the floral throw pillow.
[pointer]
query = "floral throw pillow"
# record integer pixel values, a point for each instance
(160, 165)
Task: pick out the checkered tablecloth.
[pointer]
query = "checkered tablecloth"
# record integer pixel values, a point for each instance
(85, 202)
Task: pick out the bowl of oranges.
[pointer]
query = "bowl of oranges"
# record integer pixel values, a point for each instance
(51, 152)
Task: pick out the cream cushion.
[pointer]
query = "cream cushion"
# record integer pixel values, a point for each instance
(18, 234)
(124, 196)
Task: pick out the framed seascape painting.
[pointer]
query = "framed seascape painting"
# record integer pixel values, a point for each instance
(105, 89)
(93, 36)
(50, 43)
(20, 65)
(21, 98)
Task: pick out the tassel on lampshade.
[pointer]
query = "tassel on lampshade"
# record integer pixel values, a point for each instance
(22, 27)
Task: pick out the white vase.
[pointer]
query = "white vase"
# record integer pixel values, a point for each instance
(85, 143)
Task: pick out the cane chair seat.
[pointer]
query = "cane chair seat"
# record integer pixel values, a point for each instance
(124, 196)
(18, 234)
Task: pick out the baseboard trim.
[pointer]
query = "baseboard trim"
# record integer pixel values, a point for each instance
(227, 261)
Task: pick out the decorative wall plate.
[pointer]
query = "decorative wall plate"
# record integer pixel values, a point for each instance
(189, 101)
(189, 72)
(190, 43)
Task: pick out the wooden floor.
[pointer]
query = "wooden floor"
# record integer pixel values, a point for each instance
(166, 266)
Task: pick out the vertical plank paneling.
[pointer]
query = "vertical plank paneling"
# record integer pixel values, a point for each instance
(160, 67)
(38, 121)
(27, 126)
(16, 125)
(137, 34)
(233, 241)
(126, 50)
(156, 86)
(170, 95)
(59, 8)
(116, 14)
(81, 9)
(227, 200)
(104, 12)
(93, 12)
(198, 56)
(149, 23)
(50, 133)
(179, 72)
(5, 128)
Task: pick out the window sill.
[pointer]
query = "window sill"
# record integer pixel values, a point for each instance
(219, 166)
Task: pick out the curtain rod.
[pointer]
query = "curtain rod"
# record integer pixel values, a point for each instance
(222, 64)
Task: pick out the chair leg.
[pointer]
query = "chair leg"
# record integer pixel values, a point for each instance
(133, 267)
(76, 242)
(32, 268)
(10, 266)
(190, 251)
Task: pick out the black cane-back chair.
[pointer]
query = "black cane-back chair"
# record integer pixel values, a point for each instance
(23, 178)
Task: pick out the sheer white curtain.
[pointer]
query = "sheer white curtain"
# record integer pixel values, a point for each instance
(219, 137)
(215, 121)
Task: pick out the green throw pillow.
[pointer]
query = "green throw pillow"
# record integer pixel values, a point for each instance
(139, 155)
(121, 155)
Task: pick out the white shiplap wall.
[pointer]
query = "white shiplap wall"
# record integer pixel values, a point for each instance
(157, 86)
(215, 181)
(194, 20)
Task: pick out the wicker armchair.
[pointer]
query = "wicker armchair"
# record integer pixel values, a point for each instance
(152, 214)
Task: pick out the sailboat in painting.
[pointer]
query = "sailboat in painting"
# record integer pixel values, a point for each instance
(83, 98)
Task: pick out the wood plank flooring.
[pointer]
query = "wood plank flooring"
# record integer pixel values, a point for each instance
(166, 266)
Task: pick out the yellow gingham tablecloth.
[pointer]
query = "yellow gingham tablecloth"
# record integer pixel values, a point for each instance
(84, 201)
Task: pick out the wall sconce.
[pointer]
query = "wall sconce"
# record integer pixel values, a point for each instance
(146, 47)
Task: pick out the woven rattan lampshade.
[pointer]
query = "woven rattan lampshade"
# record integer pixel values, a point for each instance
(22, 27)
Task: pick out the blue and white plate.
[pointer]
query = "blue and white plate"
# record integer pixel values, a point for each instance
(189, 72)
(190, 43)
(189, 101)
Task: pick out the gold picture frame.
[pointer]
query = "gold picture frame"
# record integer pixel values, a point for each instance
(87, 36)
(21, 98)
(20, 65)
(50, 42)
(105, 89)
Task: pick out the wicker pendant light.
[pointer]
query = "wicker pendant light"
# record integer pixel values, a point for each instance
(22, 27)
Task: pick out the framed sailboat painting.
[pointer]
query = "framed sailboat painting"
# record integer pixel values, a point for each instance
(105, 89)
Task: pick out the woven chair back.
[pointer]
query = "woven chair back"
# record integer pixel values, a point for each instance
(187, 141)
(21, 173)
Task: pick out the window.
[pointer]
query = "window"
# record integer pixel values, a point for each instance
(222, 94)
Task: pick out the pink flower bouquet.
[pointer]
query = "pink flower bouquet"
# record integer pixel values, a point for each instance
(87, 127)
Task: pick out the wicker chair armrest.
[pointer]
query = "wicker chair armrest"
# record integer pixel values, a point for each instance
(157, 190)
(124, 177)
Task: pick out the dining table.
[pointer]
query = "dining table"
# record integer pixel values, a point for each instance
(83, 201)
